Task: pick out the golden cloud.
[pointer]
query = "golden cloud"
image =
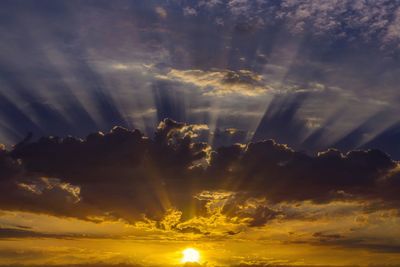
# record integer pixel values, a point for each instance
(221, 82)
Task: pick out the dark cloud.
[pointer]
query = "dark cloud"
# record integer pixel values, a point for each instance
(377, 245)
(16, 233)
(123, 174)
(110, 171)
(324, 236)
(281, 174)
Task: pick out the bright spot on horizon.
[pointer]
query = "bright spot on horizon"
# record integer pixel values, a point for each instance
(190, 255)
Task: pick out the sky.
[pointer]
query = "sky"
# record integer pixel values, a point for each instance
(258, 132)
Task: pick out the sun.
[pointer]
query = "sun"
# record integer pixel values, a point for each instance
(190, 255)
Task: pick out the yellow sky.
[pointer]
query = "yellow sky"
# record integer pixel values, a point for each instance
(169, 253)
(73, 241)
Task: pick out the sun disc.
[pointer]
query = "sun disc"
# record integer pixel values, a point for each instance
(190, 255)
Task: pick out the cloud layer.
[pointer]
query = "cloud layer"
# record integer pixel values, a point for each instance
(174, 183)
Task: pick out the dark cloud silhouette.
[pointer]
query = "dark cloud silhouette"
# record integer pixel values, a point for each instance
(283, 174)
(123, 174)
(13, 233)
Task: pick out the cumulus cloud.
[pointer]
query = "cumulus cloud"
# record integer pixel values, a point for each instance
(180, 184)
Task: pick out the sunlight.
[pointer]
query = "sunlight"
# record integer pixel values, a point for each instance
(190, 255)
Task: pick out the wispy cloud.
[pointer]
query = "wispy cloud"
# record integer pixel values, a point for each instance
(221, 82)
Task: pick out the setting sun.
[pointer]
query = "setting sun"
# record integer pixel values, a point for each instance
(190, 255)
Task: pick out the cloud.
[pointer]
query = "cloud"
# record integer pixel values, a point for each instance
(125, 175)
(297, 176)
(15, 233)
(221, 82)
(173, 186)
(161, 12)
(189, 11)
(103, 174)
(232, 55)
(343, 19)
